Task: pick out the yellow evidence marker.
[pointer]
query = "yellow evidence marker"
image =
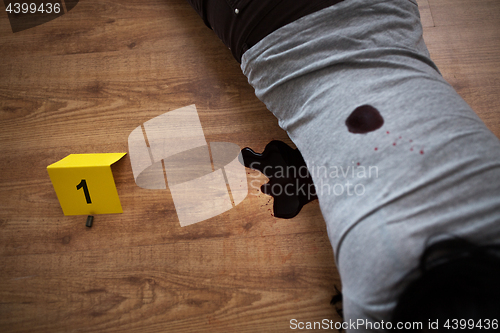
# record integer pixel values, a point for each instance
(84, 184)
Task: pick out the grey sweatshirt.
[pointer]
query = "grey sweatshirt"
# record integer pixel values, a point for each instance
(419, 166)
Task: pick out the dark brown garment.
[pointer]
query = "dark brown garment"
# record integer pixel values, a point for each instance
(240, 24)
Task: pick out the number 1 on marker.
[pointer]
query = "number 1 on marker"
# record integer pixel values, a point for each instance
(90, 173)
(83, 184)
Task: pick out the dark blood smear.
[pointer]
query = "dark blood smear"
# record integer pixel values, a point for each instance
(278, 162)
(364, 119)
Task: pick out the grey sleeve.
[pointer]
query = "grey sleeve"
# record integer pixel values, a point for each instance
(431, 168)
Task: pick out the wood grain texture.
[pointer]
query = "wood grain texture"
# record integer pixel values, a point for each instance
(81, 84)
(425, 13)
(465, 45)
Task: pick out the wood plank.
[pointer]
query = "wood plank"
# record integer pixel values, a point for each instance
(465, 44)
(81, 84)
(464, 13)
(189, 285)
(425, 13)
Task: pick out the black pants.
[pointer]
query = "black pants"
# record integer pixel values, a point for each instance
(240, 24)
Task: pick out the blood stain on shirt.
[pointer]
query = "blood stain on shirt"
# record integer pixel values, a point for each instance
(364, 119)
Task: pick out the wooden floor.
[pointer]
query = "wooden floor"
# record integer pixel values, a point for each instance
(80, 84)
